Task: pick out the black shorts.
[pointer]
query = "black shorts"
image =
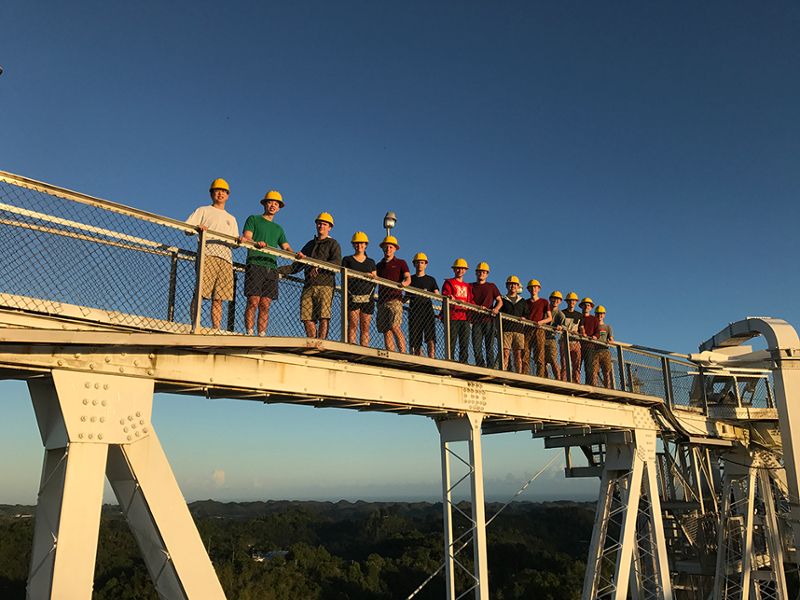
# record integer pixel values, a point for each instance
(365, 307)
(260, 280)
(423, 325)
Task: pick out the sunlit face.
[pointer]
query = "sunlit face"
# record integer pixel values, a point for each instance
(323, 227)
(272, 206)
(360, 246)
(600, 316)
(554, 301)
(481, 274)
(219, 195)
(534, 290)
(513, 288)
(571, 304)
(459, 272)
(389, 250)
(421, 264)
(587, 308)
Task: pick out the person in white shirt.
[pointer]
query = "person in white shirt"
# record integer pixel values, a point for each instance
(217, 281)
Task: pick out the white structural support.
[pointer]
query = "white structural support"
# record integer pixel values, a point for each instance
(94, 425)
(465, 429)
(628, 546)
(749, 550)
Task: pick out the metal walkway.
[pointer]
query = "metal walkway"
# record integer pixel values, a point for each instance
(699, 490)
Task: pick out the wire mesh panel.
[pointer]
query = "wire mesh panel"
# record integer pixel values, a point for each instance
(683, 378)
(644, 373)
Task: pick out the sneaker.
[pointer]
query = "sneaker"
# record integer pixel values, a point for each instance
(250, 332)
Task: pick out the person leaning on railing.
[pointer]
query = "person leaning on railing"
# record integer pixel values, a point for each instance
(457, 289)
(360, 301)
(550, 344)
(217, 281)
(513, 333)
(390, 300)
(605, 335)
(260, 274)
(588, 330)
(421, 318)
(317, 295)
(487, 296)
(534, 340)
(572, 323)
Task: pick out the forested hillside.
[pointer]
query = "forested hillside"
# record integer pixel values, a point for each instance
(335, 551)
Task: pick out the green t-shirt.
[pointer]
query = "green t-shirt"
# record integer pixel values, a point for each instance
(264, 231)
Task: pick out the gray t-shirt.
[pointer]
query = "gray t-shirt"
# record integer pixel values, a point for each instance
(218, 220)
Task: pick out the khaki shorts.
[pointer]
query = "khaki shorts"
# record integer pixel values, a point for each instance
(513, 340)
(315, 303)
(217, 279)
(390, 314)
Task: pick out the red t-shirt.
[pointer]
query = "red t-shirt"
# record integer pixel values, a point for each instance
(460, 291)
(591, 325)
(538, 309)
(484, 295)
(393, 271)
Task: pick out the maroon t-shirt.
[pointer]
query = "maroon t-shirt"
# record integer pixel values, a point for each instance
(538, 309)
(483, 295)
(393, 271)
(591, 325)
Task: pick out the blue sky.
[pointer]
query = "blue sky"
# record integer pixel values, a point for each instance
(643, 154)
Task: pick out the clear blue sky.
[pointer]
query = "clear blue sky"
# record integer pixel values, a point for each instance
(644, 154)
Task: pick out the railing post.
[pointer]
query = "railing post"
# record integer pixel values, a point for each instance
(232, 304)
(345, 311)
(704, 392)
(568, 357)
(621, 368)
(667, 382)
(200, 260)
(173, 284)
(448, 350)
(499, 329)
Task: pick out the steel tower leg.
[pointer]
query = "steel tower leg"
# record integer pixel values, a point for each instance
(466, 429)
(91, 424)
(628, 537)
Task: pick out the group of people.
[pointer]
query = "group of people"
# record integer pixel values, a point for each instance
(522, 337)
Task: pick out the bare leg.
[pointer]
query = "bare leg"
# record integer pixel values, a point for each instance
(401, 339)
(311, 329)
(506, 356)
(518, 362)
(323, 329)
(352, 326)
(431, 349)
(263, 314)
(365, 320)
(389, 340)
(250, 312)
(216, 313)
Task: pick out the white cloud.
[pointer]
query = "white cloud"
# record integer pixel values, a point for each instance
(219, 477)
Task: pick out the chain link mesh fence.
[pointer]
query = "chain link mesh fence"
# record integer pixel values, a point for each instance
(67, 251)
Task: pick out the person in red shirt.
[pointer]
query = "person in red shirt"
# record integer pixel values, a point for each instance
(535, 340)
(590, 328)
(390, 299)
(457, 289)
(486, 295)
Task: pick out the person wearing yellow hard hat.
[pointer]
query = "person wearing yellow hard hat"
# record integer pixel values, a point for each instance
(390, 298)
(488, 297)
(589, 330)
(535, 339)
(360, 291)
(217, 283)
(514, 306)
(317, 295)
(421, 318)
(457, 289)
(605, 336)
(573, 320)
(261, 269)
(550, 346)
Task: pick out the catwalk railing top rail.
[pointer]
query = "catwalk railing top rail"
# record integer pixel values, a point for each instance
(66, 247)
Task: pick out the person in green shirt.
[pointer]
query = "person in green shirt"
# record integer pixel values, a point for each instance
(261, 274)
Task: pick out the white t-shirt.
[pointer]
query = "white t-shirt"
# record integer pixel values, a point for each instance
(217, 220)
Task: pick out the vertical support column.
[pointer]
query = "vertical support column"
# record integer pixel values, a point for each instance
(465, 429)
(197, 305)
(345, 309)
(498, 328)
(173, 285)
(448, 346)
(621, 368)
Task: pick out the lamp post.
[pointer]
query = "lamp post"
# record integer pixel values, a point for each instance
(389, 221)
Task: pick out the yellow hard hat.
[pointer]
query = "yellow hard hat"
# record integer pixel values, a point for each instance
(460, 264)
(512, 279)
(359, 236)
(219, 184)
(534, 282)
(600, 309)
(390, 239)
(482, 267)
(419, 256)
(273, 195)
(556, 294)
(586, 300)
(572, 296)
(326, 217)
